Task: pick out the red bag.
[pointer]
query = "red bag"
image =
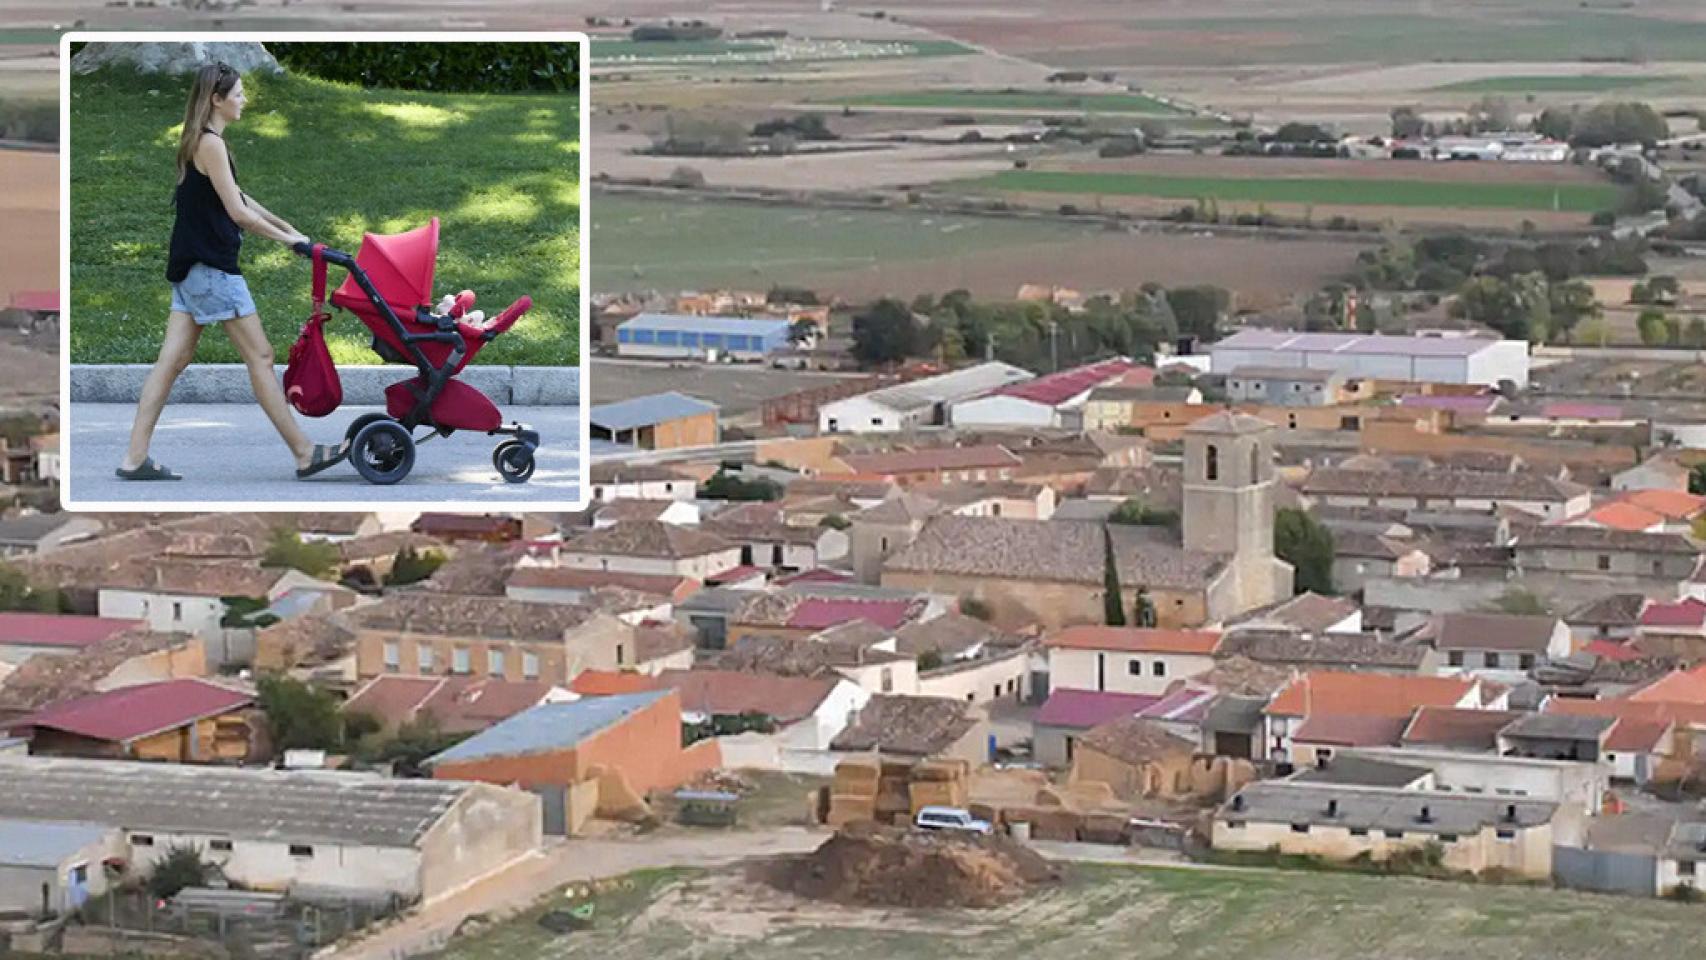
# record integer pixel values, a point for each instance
(311, 381)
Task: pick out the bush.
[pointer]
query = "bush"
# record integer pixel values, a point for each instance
(929, 660)
(181, 867)
(1604, 218)
(976, 609)
(410, 566)
(1683, 893)
(470, 67)
(316, 558)
(835, 521)
(34, 120)
(685, 177)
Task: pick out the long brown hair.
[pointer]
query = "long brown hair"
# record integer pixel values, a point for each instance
(213, 79)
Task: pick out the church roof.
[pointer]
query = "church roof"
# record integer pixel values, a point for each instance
(1230, 422)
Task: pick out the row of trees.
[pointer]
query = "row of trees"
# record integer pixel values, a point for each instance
(1599, 125)
(1037, 336)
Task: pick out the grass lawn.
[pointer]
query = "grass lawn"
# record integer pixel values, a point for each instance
(646, 243)
(1103, 911)
(1583, 198)
(501, 172)
(1581, 83)
(1061, 102)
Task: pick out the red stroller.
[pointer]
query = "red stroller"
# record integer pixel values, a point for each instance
(389, 287)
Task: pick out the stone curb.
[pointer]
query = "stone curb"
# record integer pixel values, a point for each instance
(363, 385)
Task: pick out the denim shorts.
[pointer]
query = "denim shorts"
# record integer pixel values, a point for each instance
(211, 295)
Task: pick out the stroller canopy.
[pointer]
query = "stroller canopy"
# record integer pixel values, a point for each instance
(400, 266)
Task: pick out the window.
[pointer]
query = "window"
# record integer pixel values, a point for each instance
(393, 658)
(177, 610)
(141, 840)
(1256, 464)
(1211, 463)
(459, 660)
(888, 679)
(995, 510)
(301, 850)
(1359, 831)
(495, 662)
(1300, 828)
(1158, 669)
(530, 666)
(1505, 834)
(1455, 658)
(221, 845)
(1604, 561)
(424, 657)
(80, 874)
(621, 650)
(1527, 661)
(1494, 661)
(1686, 868)
(1658, 568)
(997, 693)
(1234, 824)
(885, 544)
(1135, 668)
(1448, 838)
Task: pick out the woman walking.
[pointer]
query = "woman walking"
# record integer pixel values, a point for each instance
(207, 283)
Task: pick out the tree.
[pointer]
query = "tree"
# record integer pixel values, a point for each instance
(1199, 310)
(298, 716)
(318, 558)
(1303, 133)
(181, 867)
(1113, 611)
(18, 594)
(1490, 113)
(1407, 124)
(976, 609)
(1608, 123)
(929, 660)
(1555, 123)
(1594, 331)
(1653, 327)
(885, 333)
(727, 486)
(1697, 480)
(246, 612)
(1695, 336)
(1521, 602)
(1135, 512)
(1142, 609)
(835, 521)
(411, 566)
(802, 330)
(1519, 308)
(1571, 302)
(1306, 544)
(414, 743)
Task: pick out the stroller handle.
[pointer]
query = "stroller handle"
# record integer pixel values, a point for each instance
(337, 257)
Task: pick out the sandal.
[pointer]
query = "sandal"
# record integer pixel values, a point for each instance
(325, 455)
(146, 470)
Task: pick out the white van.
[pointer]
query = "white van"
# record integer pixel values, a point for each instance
(949, 818)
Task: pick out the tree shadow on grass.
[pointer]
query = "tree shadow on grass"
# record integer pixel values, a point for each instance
(335, 161)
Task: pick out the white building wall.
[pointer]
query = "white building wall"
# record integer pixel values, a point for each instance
(1003, 411)
(163, 612)
(683, 489)
(269, 865)
(1008, 675)
(1500, 360)
(1078, 670)
(860, 415)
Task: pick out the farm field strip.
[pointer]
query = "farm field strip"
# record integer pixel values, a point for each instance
(1579, 83)
(1133, 103)
(1560, 197)
(787, 50)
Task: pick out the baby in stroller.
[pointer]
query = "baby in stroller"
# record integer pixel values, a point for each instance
(389, 288)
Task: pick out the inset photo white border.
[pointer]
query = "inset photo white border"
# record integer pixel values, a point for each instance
(240, 446)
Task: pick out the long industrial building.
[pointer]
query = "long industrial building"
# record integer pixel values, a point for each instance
(1424, 359)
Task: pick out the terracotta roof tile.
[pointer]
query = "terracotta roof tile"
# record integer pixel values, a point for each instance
(908, 726)
(1460, 729)
(665, 541)
(1351, 729)
(1134, 740)
(722, 692)
(1376, 694)
(929, 459)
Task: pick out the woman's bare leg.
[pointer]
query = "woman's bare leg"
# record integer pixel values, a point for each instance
(176, 352)
(251, 341)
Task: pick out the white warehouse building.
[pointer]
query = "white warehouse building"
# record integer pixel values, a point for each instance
(917, 403)
(1426, 359)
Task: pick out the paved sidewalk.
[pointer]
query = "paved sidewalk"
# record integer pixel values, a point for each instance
(230, 452)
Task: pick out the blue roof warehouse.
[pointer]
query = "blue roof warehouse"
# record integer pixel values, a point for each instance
(682, 335)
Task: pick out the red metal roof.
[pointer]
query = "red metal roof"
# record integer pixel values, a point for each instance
(1612, 650)
(606, 683)
(129, 713)
(1688, 613)
(817, 613)
(58, 630)
(1057, 388)
(815, 575)
(36, 301)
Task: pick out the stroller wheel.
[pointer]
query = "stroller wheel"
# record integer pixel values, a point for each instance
(362, 421)
(383, 452)
(514, 461)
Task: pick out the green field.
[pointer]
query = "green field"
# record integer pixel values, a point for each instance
(646, 243)
(737, 51)
(501, 172)
(1111, 911)
(1059, 102)
(1572, 197)
(1526, 32)
(1579, 83)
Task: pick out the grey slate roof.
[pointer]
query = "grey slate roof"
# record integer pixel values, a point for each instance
(296, 806)
(1366, 771)
(1494, 631)
(1559, 726)
(1597, 538)
(1381, 808)
(1050, 552)
(646, 411)
(32, 843)
(1440, 484)
(549, 726)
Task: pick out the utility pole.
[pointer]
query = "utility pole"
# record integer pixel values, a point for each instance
(1053, 346)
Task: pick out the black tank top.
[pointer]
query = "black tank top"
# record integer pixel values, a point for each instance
(203, 232)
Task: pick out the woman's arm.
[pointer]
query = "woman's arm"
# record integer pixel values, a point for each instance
(270, 217)
(216, 163)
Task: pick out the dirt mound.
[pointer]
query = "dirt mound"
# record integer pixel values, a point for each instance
(870, 865)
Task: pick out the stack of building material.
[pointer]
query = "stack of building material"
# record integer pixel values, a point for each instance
(853, 794)
(939, 783)
(894, 801)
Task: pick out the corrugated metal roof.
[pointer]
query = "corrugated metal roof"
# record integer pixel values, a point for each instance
(1354, 343)
(58, 630)
(948, 387)
(738, 326)
(128, 713)
(646, 411)
(32, 843)
(549, 726)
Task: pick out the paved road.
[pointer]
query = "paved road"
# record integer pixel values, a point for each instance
(568, 861)
(230, 453)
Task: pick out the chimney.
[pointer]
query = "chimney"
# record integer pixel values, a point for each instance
(1426, 815)
(1321, 760)
(1510, 812)
(1238, 802)
(1332, 808)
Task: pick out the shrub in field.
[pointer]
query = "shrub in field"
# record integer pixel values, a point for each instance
(450, 68)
